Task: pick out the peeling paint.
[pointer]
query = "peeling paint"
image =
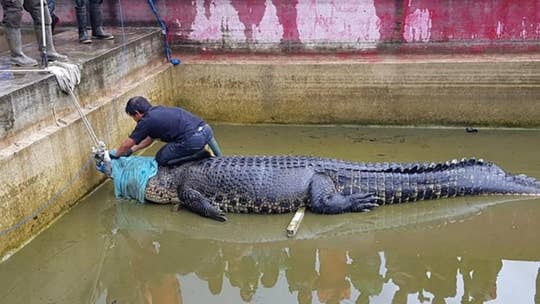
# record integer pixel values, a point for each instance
(269, 29)
(418, 26)
(320, 24)
(500, 29)
(218, 22)
(347, 22)
(524, 29)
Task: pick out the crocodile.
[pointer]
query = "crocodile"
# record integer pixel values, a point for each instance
(277, 184)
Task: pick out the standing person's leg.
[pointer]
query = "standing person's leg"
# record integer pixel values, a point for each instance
(51, 4)
(12, 29)
(82, 21)
(34, 8)
(96, 20)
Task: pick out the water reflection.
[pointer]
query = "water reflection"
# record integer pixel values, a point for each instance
(153, 264)
(449, 251)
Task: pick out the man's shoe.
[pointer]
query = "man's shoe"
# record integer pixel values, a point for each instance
(102, 35)
(52, 54)
(84, 39)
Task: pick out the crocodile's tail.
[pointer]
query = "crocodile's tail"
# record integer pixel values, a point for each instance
(479, 177)
(407, 182)
(519, 185)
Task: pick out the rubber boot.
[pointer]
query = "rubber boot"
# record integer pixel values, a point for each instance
(214, 146)
(96, 19)
(14, 39)
(81, 23)
(52, 55)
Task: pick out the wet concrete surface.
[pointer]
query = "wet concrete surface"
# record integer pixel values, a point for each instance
(469, 250)
(66, 42)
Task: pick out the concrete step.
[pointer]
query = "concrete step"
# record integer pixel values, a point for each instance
(31, 101)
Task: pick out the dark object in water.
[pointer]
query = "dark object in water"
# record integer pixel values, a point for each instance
(471, 130)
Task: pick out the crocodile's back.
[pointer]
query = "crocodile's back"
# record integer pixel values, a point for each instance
(260, 184)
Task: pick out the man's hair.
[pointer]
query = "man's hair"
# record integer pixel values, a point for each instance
(137, 104)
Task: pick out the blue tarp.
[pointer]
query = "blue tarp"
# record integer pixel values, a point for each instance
(130, 175)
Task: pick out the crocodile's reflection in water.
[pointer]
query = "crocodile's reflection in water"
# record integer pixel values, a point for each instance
(327, 264)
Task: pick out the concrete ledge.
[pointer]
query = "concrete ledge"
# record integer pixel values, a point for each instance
(27, 101)
(439, 90)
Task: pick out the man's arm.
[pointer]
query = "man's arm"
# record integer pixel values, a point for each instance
(125, 146)
(143, 144)
(129, 144)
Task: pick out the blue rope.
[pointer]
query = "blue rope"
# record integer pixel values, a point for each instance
(163, 26)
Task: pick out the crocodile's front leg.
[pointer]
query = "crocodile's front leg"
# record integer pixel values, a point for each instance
(196, 202)
(325, 198)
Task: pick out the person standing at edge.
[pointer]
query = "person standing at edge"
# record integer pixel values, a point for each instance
(96, 20)
(12, 27)
(185, 134)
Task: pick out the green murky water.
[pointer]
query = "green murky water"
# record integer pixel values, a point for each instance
(470, 250)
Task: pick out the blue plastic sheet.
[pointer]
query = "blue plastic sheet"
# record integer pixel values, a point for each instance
(131, 174)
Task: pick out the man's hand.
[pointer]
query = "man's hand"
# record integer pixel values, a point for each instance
(112, 154)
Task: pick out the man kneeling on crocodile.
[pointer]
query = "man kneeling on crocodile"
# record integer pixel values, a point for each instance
(185, 134)
(210, 186)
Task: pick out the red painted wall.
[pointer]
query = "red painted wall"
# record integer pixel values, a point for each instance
(363, 25)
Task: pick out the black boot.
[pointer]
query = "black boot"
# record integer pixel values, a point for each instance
(81, 24)
(96, 20)
(52, 54)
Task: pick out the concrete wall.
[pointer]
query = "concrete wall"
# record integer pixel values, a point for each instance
(47, 166)
(55, 169)
(366, 25)
(421, 91)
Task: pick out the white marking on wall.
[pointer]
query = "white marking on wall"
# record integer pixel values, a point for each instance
(223, 23)
(351, 23)
(523, 28)
(269, 29)
(500, 28)
(418, 26)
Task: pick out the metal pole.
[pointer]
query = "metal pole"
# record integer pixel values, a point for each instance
(44, 59)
